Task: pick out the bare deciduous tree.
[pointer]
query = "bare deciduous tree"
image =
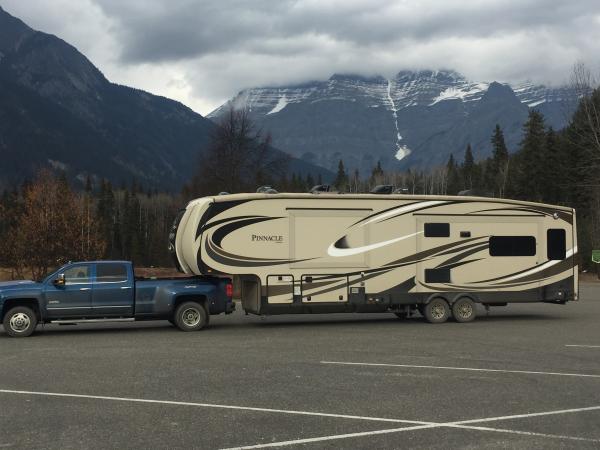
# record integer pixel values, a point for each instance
(239, 158)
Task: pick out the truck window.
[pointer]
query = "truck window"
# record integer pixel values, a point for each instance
(78, 274)
(557, 244)
(111, 273)
(512, 246)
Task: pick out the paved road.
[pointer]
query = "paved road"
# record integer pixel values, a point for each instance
(251, 382)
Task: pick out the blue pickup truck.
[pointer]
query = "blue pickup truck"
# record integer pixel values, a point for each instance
(108, 291)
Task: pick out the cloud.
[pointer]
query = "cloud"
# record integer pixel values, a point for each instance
(204, 51)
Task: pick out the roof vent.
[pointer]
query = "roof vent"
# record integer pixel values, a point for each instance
(320, 189)
(382, 189)
(266, 190)
(475, 193)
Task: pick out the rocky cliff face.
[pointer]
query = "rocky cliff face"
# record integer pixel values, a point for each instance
(416, 119)
(57, 109)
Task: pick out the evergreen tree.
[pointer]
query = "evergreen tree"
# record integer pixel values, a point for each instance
(551, 169)
(531, 158)
(341, 179)
(468, 169)
(453, 183)
(310, 181)
(498, 167)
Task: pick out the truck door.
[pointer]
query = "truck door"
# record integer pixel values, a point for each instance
(112, 293)
(74, 298)
(471, 253)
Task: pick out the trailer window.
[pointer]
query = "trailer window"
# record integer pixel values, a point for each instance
(437, 275)
(111, 273)
(512, 246)
(437, 230)
(557, 244)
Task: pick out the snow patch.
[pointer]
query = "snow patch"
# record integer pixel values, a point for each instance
(282, 103)
(402, 150)
(461, 93)
(532, 104)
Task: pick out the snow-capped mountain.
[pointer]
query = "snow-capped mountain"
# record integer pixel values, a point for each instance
(416, 119)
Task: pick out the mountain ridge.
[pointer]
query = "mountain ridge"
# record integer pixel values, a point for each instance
(415, 119)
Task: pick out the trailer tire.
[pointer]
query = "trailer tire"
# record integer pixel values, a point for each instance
(20, 321)
(464, 310)
(190, 316)
(437, 310)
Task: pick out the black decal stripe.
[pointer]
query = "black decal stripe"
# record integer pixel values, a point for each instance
(458, 249)
(556, 269)
(463, 255)
(216, 208)
(220, 233)
(207, 226)
(383, 211)
(424, 208)
(458, 263)
(237, 263)
(403, 287)
(505, 276)
(425, 253)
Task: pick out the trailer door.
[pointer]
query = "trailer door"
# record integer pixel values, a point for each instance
(472, 253)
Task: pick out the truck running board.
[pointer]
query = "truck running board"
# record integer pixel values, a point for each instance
(74, 321)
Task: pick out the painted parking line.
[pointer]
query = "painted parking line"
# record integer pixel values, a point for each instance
(470, 369)
(332, 437)
(417, 425)
(214, 405)
(582, 346)
(464, 424)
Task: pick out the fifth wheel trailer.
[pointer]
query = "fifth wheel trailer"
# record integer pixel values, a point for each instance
(319, 253)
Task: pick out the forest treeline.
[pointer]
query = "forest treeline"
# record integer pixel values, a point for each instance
(46, 221)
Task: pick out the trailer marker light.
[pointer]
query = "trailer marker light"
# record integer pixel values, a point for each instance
(229, 290)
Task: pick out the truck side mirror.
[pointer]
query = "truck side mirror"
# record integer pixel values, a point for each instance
(60, 280)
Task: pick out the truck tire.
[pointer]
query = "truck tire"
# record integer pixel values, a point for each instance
(437, 310)
(190, 316)
(463, 310)
(20, 321)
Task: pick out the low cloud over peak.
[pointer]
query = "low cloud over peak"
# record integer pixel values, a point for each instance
(203, 52)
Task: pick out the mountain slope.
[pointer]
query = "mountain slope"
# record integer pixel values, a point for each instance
(416, 119)
(59, 110)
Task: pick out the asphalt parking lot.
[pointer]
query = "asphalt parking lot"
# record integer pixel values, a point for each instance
(525, 376)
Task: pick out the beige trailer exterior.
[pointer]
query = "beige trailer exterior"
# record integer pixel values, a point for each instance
(296, 253)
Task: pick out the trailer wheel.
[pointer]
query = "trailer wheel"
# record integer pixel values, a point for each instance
(437, 310)
(20, 321)
(191, 316)
(463, 310)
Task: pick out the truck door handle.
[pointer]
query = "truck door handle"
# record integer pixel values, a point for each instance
(125, 287)
(84, 289)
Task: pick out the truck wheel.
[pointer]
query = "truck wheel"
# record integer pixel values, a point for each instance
(191, 316)
(20, 321)
(437, 311)
(463, 310)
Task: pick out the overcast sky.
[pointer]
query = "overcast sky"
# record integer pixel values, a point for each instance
(202, 52)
